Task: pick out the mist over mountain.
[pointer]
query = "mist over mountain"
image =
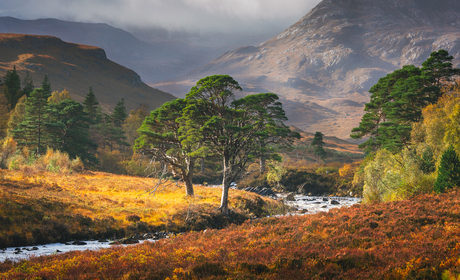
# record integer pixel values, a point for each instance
(159, 54)
(76, 67)
(324, 65)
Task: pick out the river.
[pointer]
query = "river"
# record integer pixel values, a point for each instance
(304, 205)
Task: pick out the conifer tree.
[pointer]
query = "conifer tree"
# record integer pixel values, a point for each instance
(69, 129)
(119, 113)
(227, 127)
(27, 85)
(397, 101)
(318, 145)
(46, 86)
(448, 172)
(33, 131)
(91, 105)
(12, 87)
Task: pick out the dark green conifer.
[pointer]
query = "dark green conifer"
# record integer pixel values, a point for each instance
(91, 105)
(46, 86)
(12, 87)
(28, 84)
(318, 145)
(119, 113)
(448, 172)
(32, 131)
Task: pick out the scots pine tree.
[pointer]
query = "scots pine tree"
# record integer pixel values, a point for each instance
(318, 146)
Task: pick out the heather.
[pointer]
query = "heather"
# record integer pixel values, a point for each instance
(409, 239)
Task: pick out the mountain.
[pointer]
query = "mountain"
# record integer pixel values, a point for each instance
(323, 66)
(76, 67)
(159, 54)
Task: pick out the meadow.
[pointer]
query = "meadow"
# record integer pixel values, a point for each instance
(44, 207)
(409, 239)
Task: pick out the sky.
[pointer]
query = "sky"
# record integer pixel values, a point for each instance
(188, 15)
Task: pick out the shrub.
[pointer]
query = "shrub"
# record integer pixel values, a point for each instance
(327, 170)
(53, 161)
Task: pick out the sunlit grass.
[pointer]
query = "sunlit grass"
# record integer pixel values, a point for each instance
(31, 200)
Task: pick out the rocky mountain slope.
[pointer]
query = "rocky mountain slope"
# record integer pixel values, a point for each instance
(76, 67)
(323, 66)
(159, 54)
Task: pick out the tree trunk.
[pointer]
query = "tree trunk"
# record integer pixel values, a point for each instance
(187, 176)
(188, 185)
(262, 164)
(202, 165)
(225, 187)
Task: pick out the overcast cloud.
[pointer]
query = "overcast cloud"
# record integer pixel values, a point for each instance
(190, 15)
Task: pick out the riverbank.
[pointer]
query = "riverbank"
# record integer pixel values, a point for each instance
(300, 205)
(48, 208)
(412, 239)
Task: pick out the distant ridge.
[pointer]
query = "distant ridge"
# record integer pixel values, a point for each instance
(76, 67)
(324, 65)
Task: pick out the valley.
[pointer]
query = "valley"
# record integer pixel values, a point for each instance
(325, 150)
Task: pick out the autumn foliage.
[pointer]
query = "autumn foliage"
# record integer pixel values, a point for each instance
(410, 239)
(44, 207)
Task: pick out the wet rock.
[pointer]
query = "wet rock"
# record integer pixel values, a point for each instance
(78, 243)
(303, 211)
(128, 241)
(261, 191)
(34, 248)
(147, 236)
(335, 202)
(102, 241)
(290, 197)
(324, 206)
(325, 199)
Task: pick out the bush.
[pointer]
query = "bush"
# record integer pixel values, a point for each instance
(53, 161)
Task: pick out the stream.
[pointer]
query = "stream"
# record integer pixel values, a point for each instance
(304, 205)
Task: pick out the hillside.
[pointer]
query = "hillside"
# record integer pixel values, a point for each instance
(324, 65)
(76, 67)
(331, 142)
(158, 54)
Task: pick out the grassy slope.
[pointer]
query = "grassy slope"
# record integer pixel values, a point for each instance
(42, 208)
(76, 67)
(413, 239)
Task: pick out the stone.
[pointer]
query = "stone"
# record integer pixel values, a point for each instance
(335, 202)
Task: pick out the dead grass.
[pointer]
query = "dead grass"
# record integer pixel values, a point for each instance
(95, 204)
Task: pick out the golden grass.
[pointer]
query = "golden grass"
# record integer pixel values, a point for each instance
(102, 195)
